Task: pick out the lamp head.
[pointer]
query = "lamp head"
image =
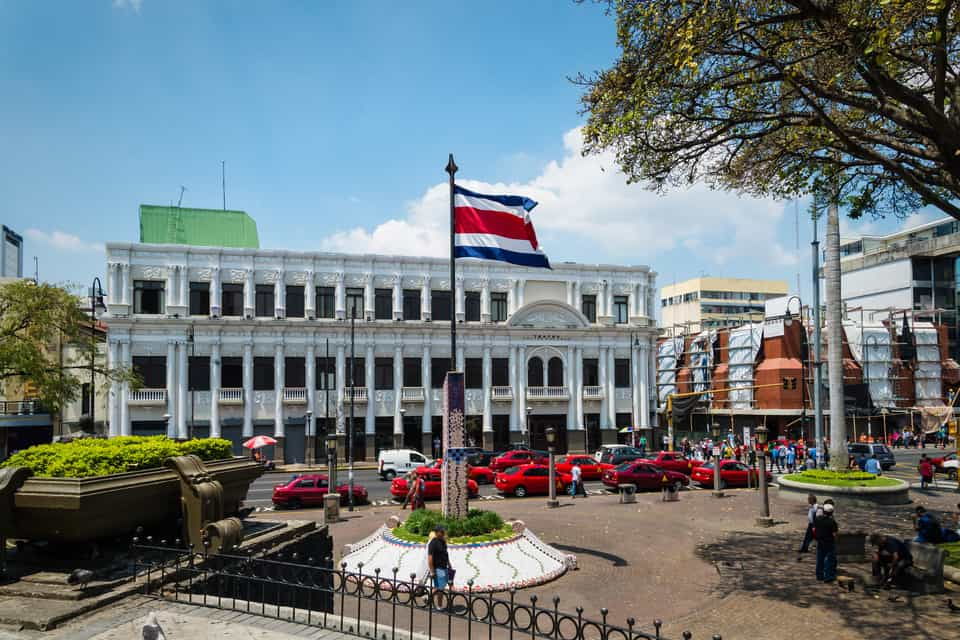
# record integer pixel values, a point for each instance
(529, 410)
(551, 434)
(761, 432)
(402, 411)
(715, 430)
(331, 441)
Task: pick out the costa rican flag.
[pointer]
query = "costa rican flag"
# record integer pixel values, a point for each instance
(496, 228)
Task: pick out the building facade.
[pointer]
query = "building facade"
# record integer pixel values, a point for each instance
(914, 270)
(705, 303)
(11, 254)
(239, 342)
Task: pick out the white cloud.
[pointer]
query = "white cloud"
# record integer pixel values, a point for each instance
(63, 241)
(132, 5)
(587, 212)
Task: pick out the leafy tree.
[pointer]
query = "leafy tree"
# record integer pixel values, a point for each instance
(849, 100)
(35, 320)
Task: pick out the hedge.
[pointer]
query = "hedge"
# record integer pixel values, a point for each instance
(91, 457)
(478, 523)
(841, 478)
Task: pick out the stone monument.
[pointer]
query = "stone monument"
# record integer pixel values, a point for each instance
(453, 491)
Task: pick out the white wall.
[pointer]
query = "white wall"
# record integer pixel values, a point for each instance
(877, 280)
(543, 290)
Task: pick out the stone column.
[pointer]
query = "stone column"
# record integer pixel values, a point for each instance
(127, 285)
(172, 389)
(521, 394)
(114, 395)
(521, 289)
(425, 374)
(426, 303)
(310, 296)
(644, 386)
(514, 388)
(605, 394)
(397, 297)
(248, 390)
(279, 427)
(570, 293)
(341, 382)
(182, 382)
(280, 296)
(612, 392)
(125, 428)
(216, 302)
(370, 426)
(635, 379)
(459, 301)
(170, 288)
(546, 370)
(215, 430)
(310, 379)
(340, 297)
(570, 371)
(398, 394)
(485, 300)
(184, 287)
(579, 386)
(460, 359)
(576, 296)
(487, 402)
(512, 298)
(369, 311)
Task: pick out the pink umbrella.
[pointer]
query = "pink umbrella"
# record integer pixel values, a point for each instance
(259, 441)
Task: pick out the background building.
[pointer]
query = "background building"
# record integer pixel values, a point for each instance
(11, 254)
(233, 342)
(914, 270)
(709, 303)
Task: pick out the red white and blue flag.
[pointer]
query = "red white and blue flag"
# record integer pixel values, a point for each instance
(496, 228)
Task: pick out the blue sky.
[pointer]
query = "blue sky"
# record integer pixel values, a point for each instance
(335, 120)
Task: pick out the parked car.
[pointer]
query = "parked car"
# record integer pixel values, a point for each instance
(644, 475)
(948, 464)
(396, 462)
(516, 458)
(939, 461)
(590, 469)
(884, 456)
(432, 487)
(480, 475)
(529, 480)
(671, 461)
(608, 447)
(613, 457)
(732, 474)
(482, 458)
(308, 491)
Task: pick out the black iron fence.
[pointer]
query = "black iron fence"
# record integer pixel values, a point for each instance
(385, 607)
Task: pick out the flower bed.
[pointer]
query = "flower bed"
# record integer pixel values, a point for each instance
(478, 526)
(842, 478)
(93, 457)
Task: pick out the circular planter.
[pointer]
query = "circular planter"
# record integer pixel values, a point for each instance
(857, 496)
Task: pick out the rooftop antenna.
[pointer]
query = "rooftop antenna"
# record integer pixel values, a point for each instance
(180, 199)
(223, 182)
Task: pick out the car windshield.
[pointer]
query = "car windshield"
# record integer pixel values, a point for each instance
(510, 471)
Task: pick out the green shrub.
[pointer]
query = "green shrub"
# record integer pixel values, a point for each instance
(98, 457)
(828, 474)
(477, 523)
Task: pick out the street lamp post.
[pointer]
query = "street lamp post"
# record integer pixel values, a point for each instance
(353, 318)
(96, 302)
(715, 430)
(400, 436)
(764, 520)
(166, 421)
(526, 428)
(551, 434)
(190, 386)
(331, 501)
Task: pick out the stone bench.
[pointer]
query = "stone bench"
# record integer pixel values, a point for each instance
(926, 573)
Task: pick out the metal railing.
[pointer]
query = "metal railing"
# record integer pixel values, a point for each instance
(377, 606)
(355, 394)
(412, 394)
(148, 396)
(547, 393)
(295, 394)
(501, 394)
(231, 395)
(592, 392)
(19, 407)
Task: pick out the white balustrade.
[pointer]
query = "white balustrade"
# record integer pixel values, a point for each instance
(501, 394)
(231, 395)
(592, 393)
(295, 395)
(548, 393)
(355, 394)
(148, 396)
(412, 394)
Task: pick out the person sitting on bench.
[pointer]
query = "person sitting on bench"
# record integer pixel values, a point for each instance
(891, 558)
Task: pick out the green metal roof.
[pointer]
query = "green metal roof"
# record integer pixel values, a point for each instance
(199, 227)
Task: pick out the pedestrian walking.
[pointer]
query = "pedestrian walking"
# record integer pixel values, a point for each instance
(578, 487)
(438, 560)
(411, 479)
(791, 459)
(825, 533)
(926, 471)
(812, 509)
(774, 457)
(420, 486)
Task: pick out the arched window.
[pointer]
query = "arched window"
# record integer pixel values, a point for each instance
(535, 372)
(555, 372)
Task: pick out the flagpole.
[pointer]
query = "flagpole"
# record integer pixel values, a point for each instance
(452, 170)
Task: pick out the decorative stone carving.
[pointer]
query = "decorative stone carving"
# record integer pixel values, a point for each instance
(235, 276)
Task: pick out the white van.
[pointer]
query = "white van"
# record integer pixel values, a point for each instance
(395, 462)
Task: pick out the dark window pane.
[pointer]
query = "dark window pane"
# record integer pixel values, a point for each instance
(294, 372)
(148, 297)
(383, 374)
(264, 301)
(326, 367)
(440, 305)
(152, 371)
(473, 374)
(620, 310)
(295, 301)
(359, 372)
(498, 306)
(231, 373)
(535, 372)
(411, 304)
(383, 304)
(555, 372)
(591, 372)
(412, 372)
(621, 373)
(231, 299)
(472, 306)
(263, 374)
(438, 371)
(199, 373)
(501, 372)
(589, 307)
(199, 298)
(354, 303)
(326, 302)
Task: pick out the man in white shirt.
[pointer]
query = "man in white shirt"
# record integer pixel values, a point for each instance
(578, 487)
(811, 515)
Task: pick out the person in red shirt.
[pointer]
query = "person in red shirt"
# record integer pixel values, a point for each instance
(926, 471)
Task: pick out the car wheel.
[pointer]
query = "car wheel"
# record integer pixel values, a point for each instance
(520, 492)
(389, 475)
(952, 474)
(677, 485)
(294, 503)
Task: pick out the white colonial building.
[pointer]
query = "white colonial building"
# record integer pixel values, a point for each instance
(235, 342)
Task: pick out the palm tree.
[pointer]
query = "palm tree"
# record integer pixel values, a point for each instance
(838, 424)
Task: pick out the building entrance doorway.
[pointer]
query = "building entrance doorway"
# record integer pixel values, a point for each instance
(538, 431)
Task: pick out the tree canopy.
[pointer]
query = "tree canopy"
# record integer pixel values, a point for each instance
(34, 321)
(774, 97)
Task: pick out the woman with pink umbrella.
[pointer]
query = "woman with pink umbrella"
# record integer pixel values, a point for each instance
(256, 443)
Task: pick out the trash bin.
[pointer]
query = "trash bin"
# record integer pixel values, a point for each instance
(628, 493)
(670, 494)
